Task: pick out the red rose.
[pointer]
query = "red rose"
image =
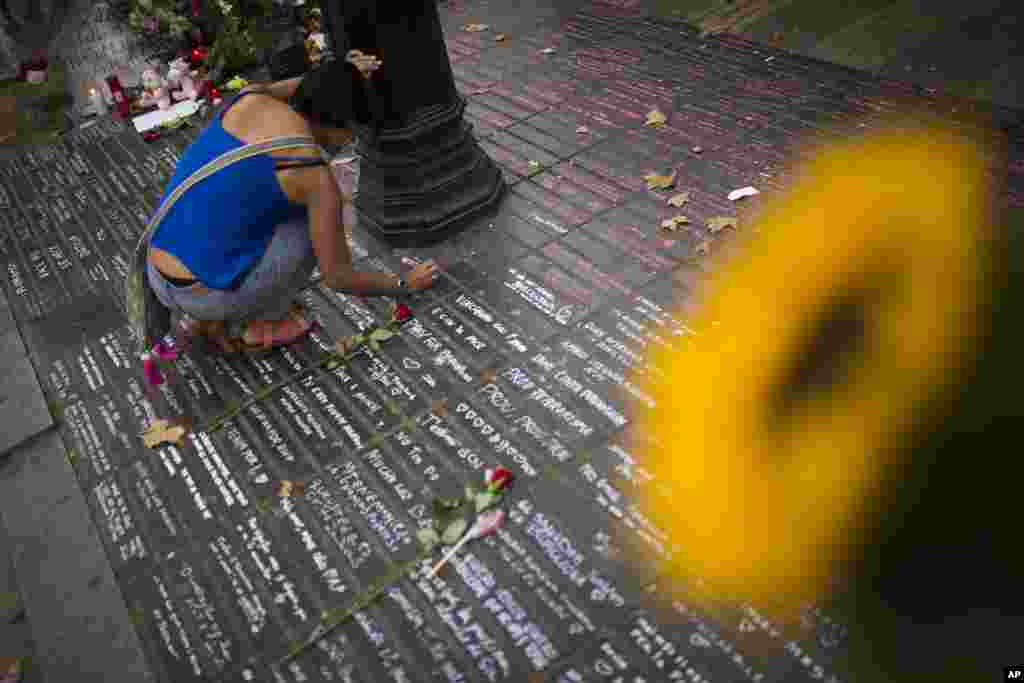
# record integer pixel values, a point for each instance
(401, 313)
(165, 351)
(150, 369)
(151, 135)
(497, 479)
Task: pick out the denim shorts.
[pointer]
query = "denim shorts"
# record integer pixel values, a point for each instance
(265, 293)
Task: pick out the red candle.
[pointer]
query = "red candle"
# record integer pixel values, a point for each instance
(117, 92)
(37, 62)
(196, 6)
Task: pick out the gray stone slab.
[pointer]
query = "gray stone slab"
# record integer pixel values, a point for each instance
(78, 617)
(23, 409)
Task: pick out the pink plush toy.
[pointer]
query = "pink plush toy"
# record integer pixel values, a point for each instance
(181, 77)
(155, 90)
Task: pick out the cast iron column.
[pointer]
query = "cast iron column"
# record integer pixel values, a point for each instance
(422, 175)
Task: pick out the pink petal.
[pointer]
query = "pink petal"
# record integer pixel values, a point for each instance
(165, 351)
(152, 372)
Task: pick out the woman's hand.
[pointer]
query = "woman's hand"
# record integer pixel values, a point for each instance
(422, 276)
(366, 64)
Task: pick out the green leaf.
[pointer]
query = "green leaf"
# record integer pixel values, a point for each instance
(9, 601)
(485, 500)
(471, 492)
(408, 425)
(454, 531)
(137, 615)
(381, 334)
(446, 511)
(333, 365)
(428, 538)
(392, 407)
(443, 505)
(374, 344)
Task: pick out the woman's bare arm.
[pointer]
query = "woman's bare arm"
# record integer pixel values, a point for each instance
(284, 90)
(280, 90)
(330, 243)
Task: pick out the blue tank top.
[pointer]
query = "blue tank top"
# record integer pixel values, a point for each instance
(222, 226)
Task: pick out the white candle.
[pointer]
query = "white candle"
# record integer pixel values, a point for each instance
(98, 105)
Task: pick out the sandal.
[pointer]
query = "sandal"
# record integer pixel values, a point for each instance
(273, 333)
(215, 334)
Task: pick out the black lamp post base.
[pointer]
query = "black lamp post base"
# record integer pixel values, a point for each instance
(426, 181)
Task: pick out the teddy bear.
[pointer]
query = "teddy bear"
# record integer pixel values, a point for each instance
(181, 80)
(154, 90)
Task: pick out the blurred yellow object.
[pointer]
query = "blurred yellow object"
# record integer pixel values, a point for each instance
(818, 349)
(236, 83)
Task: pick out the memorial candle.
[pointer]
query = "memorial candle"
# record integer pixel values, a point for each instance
(98, 105)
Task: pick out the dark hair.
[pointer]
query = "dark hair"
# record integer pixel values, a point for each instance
(332, 94)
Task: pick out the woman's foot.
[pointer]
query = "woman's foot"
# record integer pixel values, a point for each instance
(258, 335)
(215, 333)
(266, 334)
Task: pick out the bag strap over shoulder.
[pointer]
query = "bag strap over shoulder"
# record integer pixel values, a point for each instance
(221, 162)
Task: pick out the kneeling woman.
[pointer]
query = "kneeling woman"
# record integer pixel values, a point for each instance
(233, 253)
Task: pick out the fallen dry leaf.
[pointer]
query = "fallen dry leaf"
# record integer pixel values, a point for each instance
(476, 28)
(660, 182)
(655, 118)
(704, 248)
(672, 224)
(439, 407)
(500, 37)
(345, 345)
(720, 223)
(582, 129)
(488, 375)
(290, 488)
(742, 192)
(679, 199)
(161, 432)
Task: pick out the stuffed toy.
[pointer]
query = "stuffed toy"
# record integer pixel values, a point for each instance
(155, 90)
(181, 81)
